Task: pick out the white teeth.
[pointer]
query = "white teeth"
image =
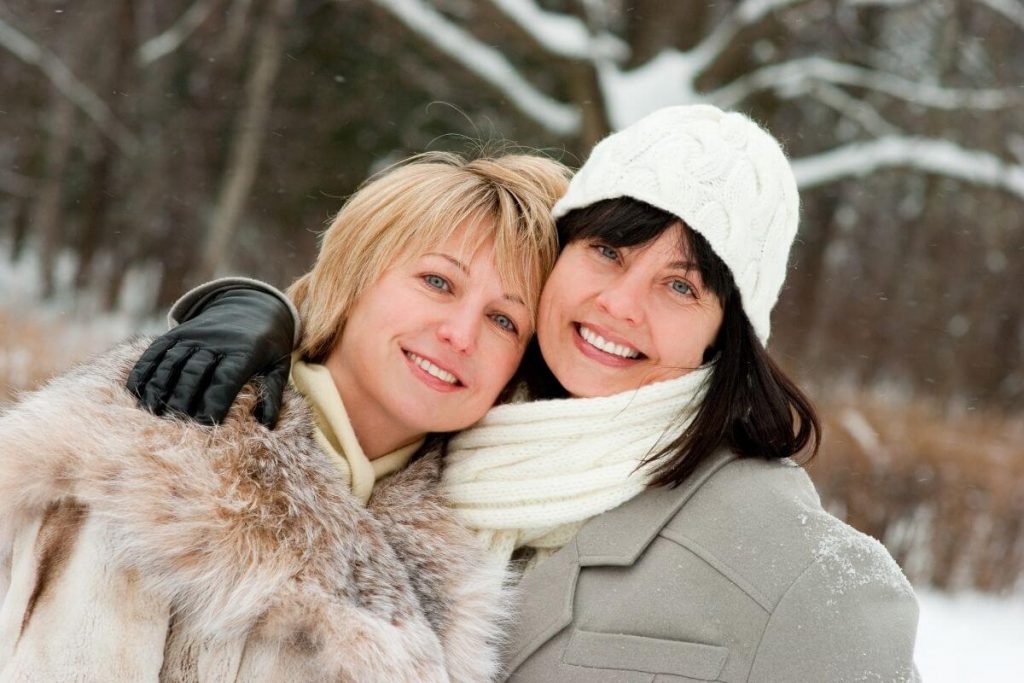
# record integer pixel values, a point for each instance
(432, 369)
(594, 339)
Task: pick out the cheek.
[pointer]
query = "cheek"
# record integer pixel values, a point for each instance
(554, 307)
(498, 365)
(385, 311)
(682, 342)
(705, 338)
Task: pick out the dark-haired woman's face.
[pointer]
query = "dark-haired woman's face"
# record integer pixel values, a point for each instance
(613, 319)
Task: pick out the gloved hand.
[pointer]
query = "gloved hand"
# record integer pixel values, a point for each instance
(199, 367)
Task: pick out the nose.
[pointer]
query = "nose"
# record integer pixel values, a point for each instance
(622, 299)
(461, 328)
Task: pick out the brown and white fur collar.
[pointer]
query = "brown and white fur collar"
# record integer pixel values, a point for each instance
(251, 535)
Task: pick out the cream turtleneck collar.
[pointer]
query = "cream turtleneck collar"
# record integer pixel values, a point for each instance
(335, 434)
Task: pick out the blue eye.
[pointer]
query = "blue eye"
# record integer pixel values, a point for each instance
(505, 322)
(682, 288)
(607, 252)
(437, 282)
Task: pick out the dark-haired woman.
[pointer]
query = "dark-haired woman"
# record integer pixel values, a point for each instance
(664, 531)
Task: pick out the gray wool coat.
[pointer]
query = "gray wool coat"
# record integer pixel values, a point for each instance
(738, 574)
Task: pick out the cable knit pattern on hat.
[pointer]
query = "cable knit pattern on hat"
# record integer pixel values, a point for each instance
(530, 474)
(722, 174)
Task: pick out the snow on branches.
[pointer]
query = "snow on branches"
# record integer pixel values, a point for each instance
(672, 75)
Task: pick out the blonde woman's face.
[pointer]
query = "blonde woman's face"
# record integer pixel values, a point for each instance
(614, 319)
(430, 346)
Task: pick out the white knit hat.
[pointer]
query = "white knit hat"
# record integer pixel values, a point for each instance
(722, 174)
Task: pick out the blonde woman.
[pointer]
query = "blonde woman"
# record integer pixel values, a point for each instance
(139, 548)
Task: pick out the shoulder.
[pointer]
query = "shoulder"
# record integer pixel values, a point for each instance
(836, 605)
(166, 487)
(762, 521)
(90, 403)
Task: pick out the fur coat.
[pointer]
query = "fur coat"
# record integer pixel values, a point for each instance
(137, 548)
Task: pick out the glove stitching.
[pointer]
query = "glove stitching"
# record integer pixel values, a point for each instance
(151, 369)
(175, 375)
(204, 381)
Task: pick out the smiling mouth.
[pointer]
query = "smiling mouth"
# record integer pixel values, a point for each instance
(433, 370)
(598, 342)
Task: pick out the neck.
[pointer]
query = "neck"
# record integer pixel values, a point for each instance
(377, 437)
(376, 430)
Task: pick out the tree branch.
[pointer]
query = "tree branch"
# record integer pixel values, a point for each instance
(747, 13)
(854, 109)
(174, 37)
(30, 52)
(940, 157)
(14, 183)
(486, 62)
(562, 35)
(666, 79)
(882, 3)
(780, 77)
(1010, 9)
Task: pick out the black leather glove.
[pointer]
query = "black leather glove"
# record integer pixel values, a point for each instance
(199, 367)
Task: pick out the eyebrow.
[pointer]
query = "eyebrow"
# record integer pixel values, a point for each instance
(451, 259)
(465, 269)
(688, 267)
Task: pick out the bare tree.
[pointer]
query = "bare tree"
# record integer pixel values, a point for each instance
(67, 84)
(101, 170)
(47, 210)
(249, 134)
(174, 37)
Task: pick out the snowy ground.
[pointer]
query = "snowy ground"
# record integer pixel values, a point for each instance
(970, 637)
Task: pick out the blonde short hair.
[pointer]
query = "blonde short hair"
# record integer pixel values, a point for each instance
(408, 208)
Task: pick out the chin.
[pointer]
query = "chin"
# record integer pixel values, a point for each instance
(593, 382)
(440, 423)
(601, 393)
(584, 388)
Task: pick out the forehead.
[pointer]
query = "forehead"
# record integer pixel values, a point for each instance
(671, 246)
(471, 239)
(470, 246)
(473, 249)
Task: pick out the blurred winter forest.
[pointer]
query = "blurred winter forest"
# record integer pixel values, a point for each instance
(146, 145)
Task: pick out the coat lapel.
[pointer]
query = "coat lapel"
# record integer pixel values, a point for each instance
(544, 606)
(617, 538)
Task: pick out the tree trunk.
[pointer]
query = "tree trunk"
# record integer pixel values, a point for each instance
(101, 175)
(47, 210)
(249, 135)
(802, 329)
(97, 204)
(653, 25)
(19, 228)
(586, 93)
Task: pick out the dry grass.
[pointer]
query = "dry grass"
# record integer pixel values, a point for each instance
(945, 493)
(34, 348)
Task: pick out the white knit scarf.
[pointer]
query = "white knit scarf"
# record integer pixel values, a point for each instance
(530, 474)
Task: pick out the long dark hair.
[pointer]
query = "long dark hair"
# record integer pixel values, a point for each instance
(750, 407)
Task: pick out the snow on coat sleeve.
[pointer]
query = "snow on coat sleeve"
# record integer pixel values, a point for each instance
(850, 616)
